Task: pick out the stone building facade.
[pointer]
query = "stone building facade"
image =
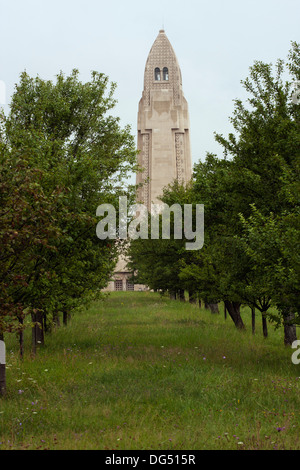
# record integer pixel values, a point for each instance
(163, 138)
(163, 124)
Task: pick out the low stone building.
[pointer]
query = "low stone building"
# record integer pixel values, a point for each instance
(121, 279)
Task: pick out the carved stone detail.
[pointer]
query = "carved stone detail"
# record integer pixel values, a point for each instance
(179, 149)
(162, 55)
(163, 125)
(146, 169)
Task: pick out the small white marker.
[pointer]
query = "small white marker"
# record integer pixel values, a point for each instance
(2, 352)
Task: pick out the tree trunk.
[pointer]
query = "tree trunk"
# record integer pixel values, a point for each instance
(2, 366)
(172, 295)
(199, 300)
(66, 317)
(213, 307)
(192, 297)
(253, 319)
(181, 295)
(37, 330)
(225, 311)
(40, 328)
(47, 328)
(264, 324)
(233, 308)
(2, 380)
(56, 320)
(289, 328)
(21, 338)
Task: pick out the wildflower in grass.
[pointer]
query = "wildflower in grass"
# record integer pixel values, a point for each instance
(20, 391)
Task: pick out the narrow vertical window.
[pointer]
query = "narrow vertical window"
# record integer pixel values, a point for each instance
(165, 73)
(157, 74)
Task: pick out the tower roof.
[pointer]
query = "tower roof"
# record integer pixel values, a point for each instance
(162, 56)
(163, 125)
(162, 46)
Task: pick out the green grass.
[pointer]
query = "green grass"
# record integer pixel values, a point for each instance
(138, 371)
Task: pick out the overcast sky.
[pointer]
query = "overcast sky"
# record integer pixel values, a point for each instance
(215, 41)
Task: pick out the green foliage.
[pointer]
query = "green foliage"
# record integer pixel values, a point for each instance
(62, 155)
(28, 232)
(263, 172)
(272, 244)
(251, 199)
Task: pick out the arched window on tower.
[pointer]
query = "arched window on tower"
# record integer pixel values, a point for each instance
(157, 74)
(165, 73)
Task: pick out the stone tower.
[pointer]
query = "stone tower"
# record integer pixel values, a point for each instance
(163, 124)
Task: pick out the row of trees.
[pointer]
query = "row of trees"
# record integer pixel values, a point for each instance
(251, 254)
(61, 155)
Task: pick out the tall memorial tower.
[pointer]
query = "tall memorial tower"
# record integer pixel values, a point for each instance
(163, 124)
(163, 137)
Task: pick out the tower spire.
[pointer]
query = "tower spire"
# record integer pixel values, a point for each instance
(163, 124)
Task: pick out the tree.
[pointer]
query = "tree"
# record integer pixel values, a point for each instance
(260, 168)
(62, 155)
(265, 172)
(273, 244)
(27, 225)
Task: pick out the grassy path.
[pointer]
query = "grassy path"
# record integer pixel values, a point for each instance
(140, 372)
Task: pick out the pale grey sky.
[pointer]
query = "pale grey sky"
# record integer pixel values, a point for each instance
(215, 42)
